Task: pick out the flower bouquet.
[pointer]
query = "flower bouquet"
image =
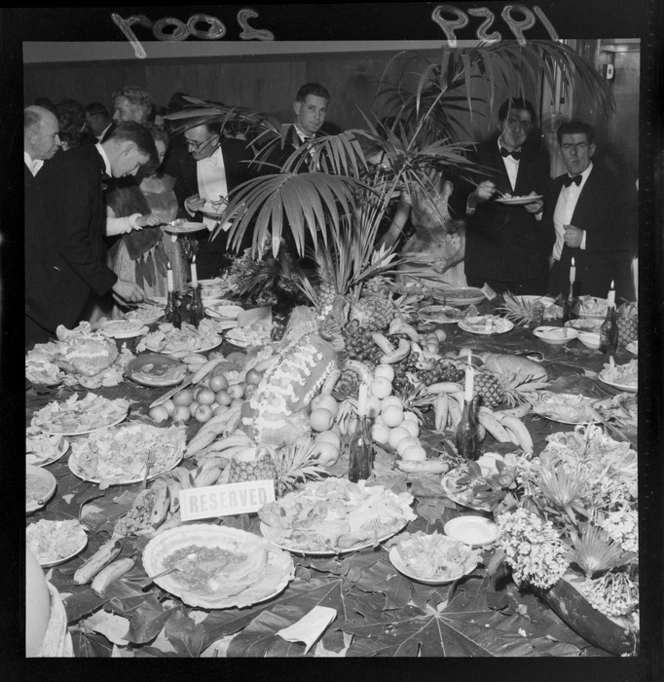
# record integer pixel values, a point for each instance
(572, 537)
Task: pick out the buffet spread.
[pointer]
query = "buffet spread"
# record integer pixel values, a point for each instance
(426, 557)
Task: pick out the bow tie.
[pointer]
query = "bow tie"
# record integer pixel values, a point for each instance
(515, 155)
(569, 180)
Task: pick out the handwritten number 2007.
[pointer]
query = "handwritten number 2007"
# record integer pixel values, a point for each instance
(517, 26)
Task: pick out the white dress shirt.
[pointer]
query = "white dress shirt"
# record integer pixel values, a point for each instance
(562, 214)
(212, 186)
(511, 166)
(34, 165)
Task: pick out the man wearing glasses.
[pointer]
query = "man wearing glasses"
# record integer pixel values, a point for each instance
(213, 167)
(587, 208)
(506, 243)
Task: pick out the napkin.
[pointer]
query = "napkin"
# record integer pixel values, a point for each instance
(310, 627)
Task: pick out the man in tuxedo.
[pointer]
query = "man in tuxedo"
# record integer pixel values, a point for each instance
(97, 120)
(205, 172)
(587, 208)
(64, 250)
(507, 245)
(41, 140)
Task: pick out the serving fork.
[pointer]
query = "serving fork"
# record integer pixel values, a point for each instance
(149, 463)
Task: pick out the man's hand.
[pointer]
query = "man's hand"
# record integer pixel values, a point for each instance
(148, 220)
(535, 206)
(194, 203)
(573, 236)
(127, 291)
(483, 192)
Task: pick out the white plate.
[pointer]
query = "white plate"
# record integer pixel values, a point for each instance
(589, 339)
(591, 306)
(45, 479)
(184, 228)
(242, 338)
(166, 351)
(169, 460)
(556, 336)
(630, 388)
(120, 411)
(396, 561)
(268, 533)
(123, 333)
(548, 401)
(442, 314)
(476, 325)
(530, 299)
(86, 432)
(475, 531)
(279, 572)
(519, 200)
(633, 347)
(34, 459)
(585, 324)
(459, 297)
(137, 363)
(448, 483)
(47, 562)
(224, 311)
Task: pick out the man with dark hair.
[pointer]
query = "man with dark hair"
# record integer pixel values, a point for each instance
(65, 221)
(41, 139)
(587, 210)
(98, 120)
(210, 167)
(506, 243)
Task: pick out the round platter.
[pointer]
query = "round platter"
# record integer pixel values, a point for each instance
(40, 485)
(269, 534)
(65, 539)
(156, 370)
(115, 411)
(243, 337)
(167, 351)
(476, 531)
(566, 408)
(460, 495)
(272, 567)
(441, 314)
(519, 200)
(556, 336)
(224, 311)
(630, 388)
(486, 325)
(45, 449)
(459, 297)
(122, 329)
(184, 228)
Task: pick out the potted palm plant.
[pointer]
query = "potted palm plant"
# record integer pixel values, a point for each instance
(340, 200)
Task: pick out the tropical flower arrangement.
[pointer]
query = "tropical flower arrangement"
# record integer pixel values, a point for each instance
(577, 519)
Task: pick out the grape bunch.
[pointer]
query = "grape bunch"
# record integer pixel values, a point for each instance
(359, 344)
(441, 370)
(279, 321)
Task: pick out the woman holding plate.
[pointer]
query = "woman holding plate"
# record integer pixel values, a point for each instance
(144, 255)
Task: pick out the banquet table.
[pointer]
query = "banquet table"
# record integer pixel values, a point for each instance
(379, 612)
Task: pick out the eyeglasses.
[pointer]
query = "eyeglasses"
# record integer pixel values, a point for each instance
(514, 122)
(197, 146)
(579, 147)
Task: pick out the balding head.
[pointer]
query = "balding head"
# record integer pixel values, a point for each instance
(41, 130)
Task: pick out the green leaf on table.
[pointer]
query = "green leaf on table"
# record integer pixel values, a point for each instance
(90, 645)
(259, 639)
(432, 509)
(146, 623)
(188, 638)
(81, 603)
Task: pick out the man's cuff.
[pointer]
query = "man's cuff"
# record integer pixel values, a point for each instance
(583, 241)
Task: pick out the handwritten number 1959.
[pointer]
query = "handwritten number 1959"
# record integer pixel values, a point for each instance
(517, 26)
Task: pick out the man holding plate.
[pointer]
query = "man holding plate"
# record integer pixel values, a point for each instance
(506, 243)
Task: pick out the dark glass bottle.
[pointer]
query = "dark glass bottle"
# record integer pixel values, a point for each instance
(608, 332)
(360, 459)
(172, 311)
(569, 305)
(467, 438)
(196, 310)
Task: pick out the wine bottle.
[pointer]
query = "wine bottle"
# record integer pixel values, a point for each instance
(467, 433)
(608, 332)
(196, 310)
(360, 460)
(172, 311)
(569, 305)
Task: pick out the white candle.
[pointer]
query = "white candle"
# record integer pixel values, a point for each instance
(169, 277)
(611, 298)
(470, 380)
(194, 273)
(362, 400)
(572, 272)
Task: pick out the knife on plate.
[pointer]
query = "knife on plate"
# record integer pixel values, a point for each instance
(169, 394)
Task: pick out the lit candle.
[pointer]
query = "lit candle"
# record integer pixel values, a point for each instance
(611, 298)
(572, 272)
(362, 400)
(169, 276)
(470, 380)
(194, 273)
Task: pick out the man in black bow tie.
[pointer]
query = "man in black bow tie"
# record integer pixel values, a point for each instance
(587, 208)
(506, 245)
(65, 259)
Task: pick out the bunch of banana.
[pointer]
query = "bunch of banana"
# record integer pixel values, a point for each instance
(197, 363)
(517, 431)
(220, 425)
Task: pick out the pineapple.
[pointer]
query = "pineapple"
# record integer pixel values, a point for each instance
(495, 390)
(523, 312)
(628, 323)
(252, 465)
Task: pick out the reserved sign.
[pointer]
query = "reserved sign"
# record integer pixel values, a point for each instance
(225, 500)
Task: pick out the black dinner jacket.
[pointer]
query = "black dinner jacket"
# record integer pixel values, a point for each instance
(601, 211)
(64, 247)
(506, 243)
